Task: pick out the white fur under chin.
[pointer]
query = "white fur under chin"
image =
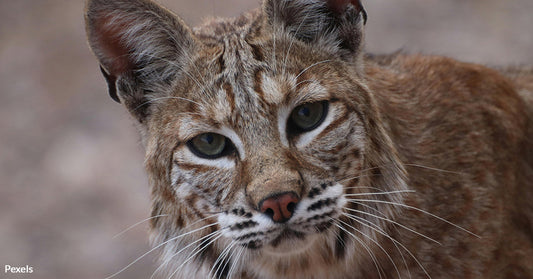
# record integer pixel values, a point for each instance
(291, 247)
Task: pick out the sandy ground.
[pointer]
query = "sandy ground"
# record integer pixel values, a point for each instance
(71, 174)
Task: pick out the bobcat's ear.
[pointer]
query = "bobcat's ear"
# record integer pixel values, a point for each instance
(336, 25)
(140, 45)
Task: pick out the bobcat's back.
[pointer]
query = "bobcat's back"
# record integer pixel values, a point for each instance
(522, 78)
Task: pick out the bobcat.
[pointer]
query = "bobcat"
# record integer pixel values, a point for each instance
(276, 148)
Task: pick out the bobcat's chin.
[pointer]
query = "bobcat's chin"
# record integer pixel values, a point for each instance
(290, 243)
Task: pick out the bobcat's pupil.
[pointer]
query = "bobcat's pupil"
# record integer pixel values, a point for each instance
(308, 116)
(209, 145)
(304, 112)
(208, 138)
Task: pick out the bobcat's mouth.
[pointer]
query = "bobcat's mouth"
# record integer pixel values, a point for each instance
(287, 235)
(290, 242)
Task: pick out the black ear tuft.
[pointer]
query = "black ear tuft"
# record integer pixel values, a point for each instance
(335, 25)
(340, 6)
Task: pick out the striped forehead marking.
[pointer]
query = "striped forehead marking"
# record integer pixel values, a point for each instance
(238, 67)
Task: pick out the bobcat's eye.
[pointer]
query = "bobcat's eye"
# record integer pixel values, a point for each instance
(308, 116)
(210, 146)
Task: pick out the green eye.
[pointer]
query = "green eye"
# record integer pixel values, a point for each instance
(308, 116)
(210, 146)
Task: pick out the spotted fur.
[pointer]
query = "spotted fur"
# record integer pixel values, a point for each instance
(422, 167)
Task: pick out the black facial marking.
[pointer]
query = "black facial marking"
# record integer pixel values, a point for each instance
(222, 268)
(321, 203)
(250, 235)
(320, 216)
(340, 244)
(314, 192)
(255, 244)
(257, 53)
(287, 235)
(241, 212)
(207, 251)
(324, 226)
(318, 190)
(243, 225)
(376, 172)
(221, 61)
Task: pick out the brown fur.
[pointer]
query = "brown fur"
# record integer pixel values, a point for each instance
(424, 168)
(475, 126)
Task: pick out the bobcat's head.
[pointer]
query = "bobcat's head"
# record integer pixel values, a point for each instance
(264, 147)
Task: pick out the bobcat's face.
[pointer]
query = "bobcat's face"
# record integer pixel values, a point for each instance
(267, 153)
(259, 134)
(265, 161)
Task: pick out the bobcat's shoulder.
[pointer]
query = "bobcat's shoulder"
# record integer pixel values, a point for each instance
(475, 125)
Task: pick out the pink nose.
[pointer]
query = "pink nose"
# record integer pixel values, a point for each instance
(279, 207)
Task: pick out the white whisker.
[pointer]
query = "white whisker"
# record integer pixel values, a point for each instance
(221, 258)
(311, 66)
(380, 193)
(156, 247)
(365, 187)
(304, 81)
(360, 175)
(394, 222)
(226, 263)
(367, 206)
(291, 43)
(372, 256)
(376, 228)
(373, 241)
(423, 211)
(168, 259)
(234, 264)
(198, 250)
(395, 242)
(138, 223)
(434, 169)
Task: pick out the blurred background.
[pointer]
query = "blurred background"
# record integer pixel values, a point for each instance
(71, 173)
